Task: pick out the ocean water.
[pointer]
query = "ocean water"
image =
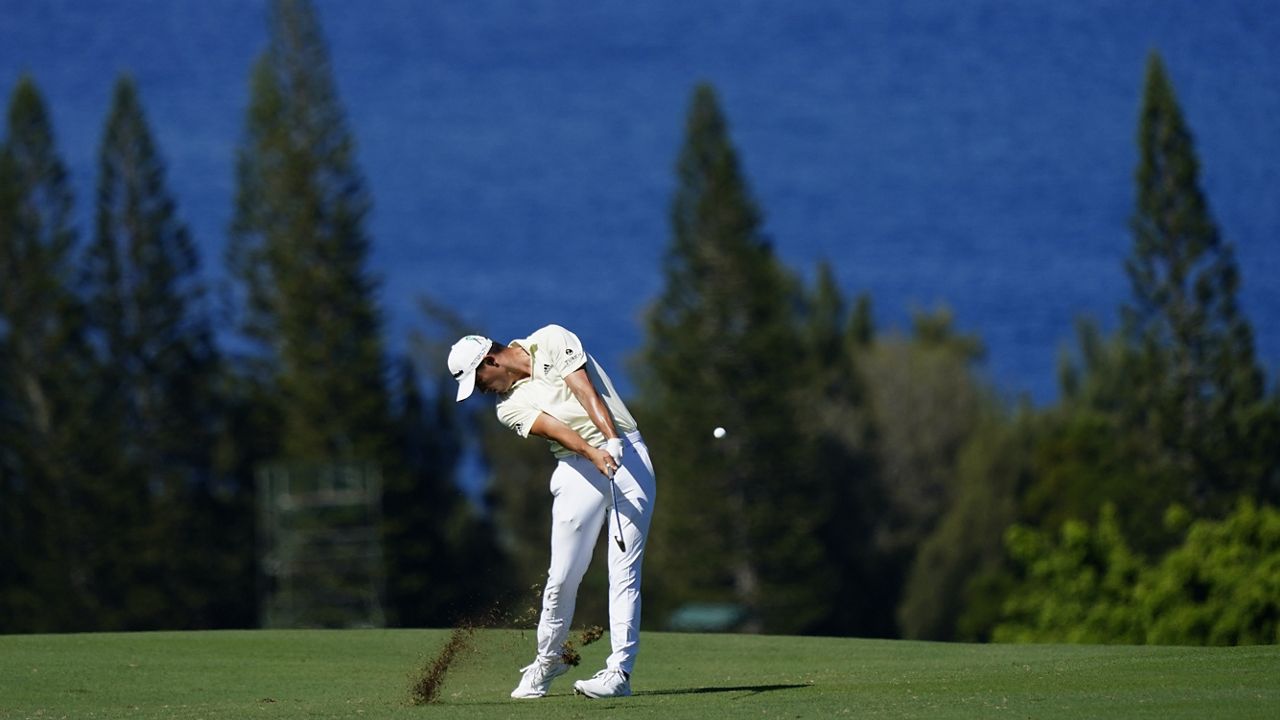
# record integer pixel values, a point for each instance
(971, 155)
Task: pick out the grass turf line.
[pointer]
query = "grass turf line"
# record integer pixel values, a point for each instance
(369, 673)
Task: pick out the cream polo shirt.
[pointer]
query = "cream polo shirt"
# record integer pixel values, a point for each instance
(554, 353)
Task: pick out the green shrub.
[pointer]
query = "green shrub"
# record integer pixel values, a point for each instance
(1220, 586)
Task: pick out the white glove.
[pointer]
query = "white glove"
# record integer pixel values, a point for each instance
(613, 446)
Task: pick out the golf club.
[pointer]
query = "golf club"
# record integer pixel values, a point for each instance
(613, 493)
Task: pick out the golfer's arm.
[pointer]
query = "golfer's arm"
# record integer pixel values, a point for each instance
(579, 383)
(545, 426)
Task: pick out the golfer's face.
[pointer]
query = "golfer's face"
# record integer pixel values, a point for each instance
(490, 378)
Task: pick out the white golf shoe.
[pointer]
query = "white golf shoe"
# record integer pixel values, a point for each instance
(605, 684)
(537, 678)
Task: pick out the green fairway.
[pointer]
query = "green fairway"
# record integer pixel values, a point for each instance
(367, 674)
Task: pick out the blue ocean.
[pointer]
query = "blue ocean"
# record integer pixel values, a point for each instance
(974, 155)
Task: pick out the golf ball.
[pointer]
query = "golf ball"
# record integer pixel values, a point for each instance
(718, 432)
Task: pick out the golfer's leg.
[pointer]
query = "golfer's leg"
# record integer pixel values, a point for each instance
(577, 513)
(636, 493)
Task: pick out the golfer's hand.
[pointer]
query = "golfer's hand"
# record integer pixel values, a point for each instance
(602, 460)
(613, 446)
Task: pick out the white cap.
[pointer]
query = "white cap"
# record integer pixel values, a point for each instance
(464, 358)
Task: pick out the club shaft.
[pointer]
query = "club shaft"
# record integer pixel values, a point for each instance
(617, 519)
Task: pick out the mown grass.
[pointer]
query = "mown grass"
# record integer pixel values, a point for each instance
(368, 674)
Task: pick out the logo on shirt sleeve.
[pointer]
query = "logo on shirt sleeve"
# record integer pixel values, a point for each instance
(518, 427)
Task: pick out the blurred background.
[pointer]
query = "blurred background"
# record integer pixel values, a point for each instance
(982, 292)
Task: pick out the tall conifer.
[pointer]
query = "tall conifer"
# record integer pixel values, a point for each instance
(57, 461)
(1200, 385)
(442, 556)
(299, 250)
(317, 395)
(1170, 409)
(722, 349)
(159, 367)
(833, 415)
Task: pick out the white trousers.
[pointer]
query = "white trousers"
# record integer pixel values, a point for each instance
(579, 511)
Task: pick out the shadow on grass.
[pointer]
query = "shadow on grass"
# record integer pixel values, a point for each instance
(751, 689)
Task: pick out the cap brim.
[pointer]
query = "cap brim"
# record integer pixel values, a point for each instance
(466, 384)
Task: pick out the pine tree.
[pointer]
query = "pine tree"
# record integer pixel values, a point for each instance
(1171, 408)
(443, 562)
(57, 461)
(160, 368)
(834, 418)
(15, 493)
(1199, 383)
(299, 251)
(316, 383)
(147, 298)
(735, 522)
(40, 309)
(445, 557)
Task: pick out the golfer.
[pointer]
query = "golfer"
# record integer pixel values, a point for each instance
(547, 385)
